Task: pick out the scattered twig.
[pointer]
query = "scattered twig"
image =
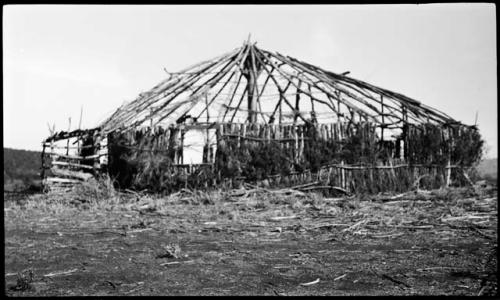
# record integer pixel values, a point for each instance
(356, 225)
(283, 218)
(385, 276)
(481, 291)
(395, 280)
(170, 263)
(328, 225)
(325, 187)
(335, 199)
(397, 202)
(141, 285)
(340, 277)
(482, 233)
(176, 262)
(387, 235)
(139, 230)
(310, 283)
(60, 273)
(436, 268)
(111, 283)
(304, 185)
(463, 217)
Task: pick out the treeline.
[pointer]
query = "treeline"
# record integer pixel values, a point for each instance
(21, 169)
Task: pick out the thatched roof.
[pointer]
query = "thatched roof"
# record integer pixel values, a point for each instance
(250, 84)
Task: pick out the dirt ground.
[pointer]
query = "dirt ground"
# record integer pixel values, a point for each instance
(255, 243)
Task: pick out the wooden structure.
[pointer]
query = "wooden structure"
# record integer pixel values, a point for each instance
(250, 95)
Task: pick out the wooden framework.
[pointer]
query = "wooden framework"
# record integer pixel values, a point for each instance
(250, 86)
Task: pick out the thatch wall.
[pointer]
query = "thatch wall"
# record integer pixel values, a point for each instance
(350, 156)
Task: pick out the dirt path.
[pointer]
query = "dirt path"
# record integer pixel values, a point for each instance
(122, 251)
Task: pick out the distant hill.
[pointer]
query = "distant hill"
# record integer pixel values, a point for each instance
(21, 169)
(488, 168)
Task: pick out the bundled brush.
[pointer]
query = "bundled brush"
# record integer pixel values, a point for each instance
(432, 144)
(254, 161)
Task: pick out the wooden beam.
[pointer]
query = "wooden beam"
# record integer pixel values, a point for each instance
(174, 92)
(62, 163)
(297, 101)
(411, 104)
(252, 89)
(206, 86)
(177, 86)
(239, 103)
(283, 73)
(170, 83)
(69, 173)
(232, 96)
(278, 104)
(217, 94)
(276, 83)
(382, 114)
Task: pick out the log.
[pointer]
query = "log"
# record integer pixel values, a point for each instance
(61, 180)
(62, 163)
(90, 157)
(74, 174)
(71, 147)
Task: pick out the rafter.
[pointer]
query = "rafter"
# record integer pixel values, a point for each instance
(179, 94)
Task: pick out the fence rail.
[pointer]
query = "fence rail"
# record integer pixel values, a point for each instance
(292, 138)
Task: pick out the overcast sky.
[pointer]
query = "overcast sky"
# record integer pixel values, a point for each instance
(58, 59)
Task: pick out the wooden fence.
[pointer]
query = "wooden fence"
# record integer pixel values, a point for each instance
(66, 162)
(72, 159)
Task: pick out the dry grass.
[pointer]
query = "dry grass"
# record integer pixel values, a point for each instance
(256, 231)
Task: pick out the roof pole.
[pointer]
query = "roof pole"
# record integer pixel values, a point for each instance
(250, 73)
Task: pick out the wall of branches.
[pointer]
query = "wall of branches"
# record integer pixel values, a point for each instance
(356, 158)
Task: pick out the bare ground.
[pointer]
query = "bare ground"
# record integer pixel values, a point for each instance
(254, 243)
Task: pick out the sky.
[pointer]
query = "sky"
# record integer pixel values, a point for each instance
(60, 60)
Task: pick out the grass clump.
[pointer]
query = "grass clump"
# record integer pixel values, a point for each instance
(24, 280)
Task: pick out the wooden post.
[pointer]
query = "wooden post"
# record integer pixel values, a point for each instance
(251, 98)
(405, 133)
(297, 102)
(383, 122)
(296, 148)
(243, 132)
(280, 114)
(338, 106)
(97, 145)
(151, 117)
(67, 143)
(79, 126)
(250, 73)
(450, 143)
(42, 173)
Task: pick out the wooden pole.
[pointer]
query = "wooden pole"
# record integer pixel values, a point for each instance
(252, 88)
(233, 93)
(339, 115)
(313, 112)
(239, 104)
(450, 143)
(79, 126)
(297, 100)
(276, 83)
(250, 96)
(383, 122)
(405, 133)
(69, 128)
(42, 173)
(182, 146)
